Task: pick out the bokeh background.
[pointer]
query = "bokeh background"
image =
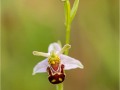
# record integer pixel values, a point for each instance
(29, 25)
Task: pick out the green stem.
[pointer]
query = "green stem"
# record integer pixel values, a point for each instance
(69, 16)
(67, 38)
(59, 86)
(67, 22)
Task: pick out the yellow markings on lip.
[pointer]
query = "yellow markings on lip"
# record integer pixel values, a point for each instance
(52, 62)
(53, 80)
(60, 79)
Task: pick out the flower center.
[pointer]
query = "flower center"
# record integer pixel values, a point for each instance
(53, 59)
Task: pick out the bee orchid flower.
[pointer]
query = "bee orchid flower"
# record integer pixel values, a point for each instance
(56, 63)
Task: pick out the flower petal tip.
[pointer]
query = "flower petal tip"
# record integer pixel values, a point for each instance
(68, 45)
(33, 73)
(34, 52)
(81, 66)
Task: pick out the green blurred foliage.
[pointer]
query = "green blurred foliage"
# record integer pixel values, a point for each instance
(29, 25)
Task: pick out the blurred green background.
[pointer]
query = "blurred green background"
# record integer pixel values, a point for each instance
(29, 25)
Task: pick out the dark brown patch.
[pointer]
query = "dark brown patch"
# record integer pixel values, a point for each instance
(56, 77)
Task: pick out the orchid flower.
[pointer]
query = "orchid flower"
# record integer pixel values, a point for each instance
(55, 63)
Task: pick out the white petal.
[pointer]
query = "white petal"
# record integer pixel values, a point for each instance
(41, 67)
(54, 47)
(70, 63)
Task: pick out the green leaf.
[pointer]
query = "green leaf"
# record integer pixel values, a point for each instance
(74, 10)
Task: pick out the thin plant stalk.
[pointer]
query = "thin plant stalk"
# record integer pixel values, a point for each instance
(67, 22)
(59, 86)
(69, 16)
